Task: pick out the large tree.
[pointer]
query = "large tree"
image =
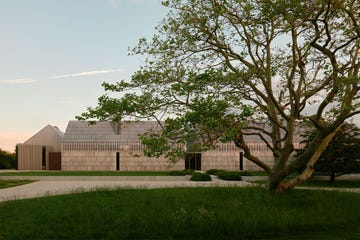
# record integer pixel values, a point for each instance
(225, 69)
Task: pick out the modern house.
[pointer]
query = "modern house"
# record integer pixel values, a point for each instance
(105, 146)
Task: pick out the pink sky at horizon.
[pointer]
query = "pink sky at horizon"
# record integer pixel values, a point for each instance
(9, 140)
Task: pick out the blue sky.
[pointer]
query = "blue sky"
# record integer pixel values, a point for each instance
(54, 55)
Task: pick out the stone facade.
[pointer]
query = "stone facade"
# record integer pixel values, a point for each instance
(107, 146)
(135, 161)
(88, 161)
(107, 161)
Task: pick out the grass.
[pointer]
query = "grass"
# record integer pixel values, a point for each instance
(184, 213)
(13, 183)
(82, 173)
(326, 184)
(336, 184)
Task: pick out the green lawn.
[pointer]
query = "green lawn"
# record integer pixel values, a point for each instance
(181, 213)
(13, 183)
(336, 184)
(326, 184)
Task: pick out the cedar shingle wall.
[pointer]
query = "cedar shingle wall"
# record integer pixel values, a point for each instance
(29, 157)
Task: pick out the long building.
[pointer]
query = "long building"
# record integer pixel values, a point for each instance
(104, 146)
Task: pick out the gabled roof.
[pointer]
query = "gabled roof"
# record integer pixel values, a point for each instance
(45, 135)
(82, 131)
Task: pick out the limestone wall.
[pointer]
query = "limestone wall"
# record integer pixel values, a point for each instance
(88, 161)
(102, 157)
(106, 161)
(229, 160)
(265, 156)
(137, 162)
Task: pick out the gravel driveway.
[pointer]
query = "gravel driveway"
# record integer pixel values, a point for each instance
(46, 186)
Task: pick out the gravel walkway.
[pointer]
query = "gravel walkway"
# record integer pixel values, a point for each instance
(50, 185)
(45, 187)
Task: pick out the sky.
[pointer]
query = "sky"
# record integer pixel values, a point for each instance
(54, 55)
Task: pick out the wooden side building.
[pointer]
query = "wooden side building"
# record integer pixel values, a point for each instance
(42, 151)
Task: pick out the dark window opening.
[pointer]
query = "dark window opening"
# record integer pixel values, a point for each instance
(241, 161)
(193, 161)
(43, 157)
(117, 161)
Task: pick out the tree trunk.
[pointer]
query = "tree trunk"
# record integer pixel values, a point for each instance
(332, 177)
(275, 183)
(310, 167)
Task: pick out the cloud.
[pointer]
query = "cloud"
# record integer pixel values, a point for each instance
(79, 74)
(18, 81)
(88, 73)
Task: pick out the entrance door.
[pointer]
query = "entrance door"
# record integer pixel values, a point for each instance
(193, 161)
(54, 160)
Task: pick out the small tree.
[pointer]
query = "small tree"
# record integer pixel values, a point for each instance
(342, 155)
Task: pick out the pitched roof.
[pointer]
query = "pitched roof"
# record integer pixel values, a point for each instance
(82, 131)
(43, 135)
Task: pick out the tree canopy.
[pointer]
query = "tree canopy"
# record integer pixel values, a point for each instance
(7, 160)
(221, 70)
(342, 155)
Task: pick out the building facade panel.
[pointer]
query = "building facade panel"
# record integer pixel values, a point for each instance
(33, 157)
(135, 161)
(88, 161)
(225, 160)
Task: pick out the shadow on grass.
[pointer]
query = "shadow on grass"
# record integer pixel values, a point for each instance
(13, 183)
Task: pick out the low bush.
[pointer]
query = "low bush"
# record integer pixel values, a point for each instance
(246, 173)
(200, 177)
(182, 172)
(177, 173)
(214, 171)
(189, 171)
(230, 176)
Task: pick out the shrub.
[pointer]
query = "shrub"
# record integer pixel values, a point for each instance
(182, 172)
(214, 171)
(5, 165)
(230, 176)
(189, 171)
(245, 173)
(200, 177)
(177, 173)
